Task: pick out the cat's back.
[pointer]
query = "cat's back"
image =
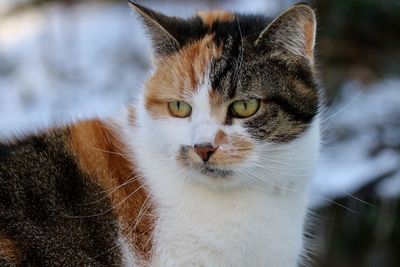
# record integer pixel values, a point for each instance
(52, 211)
(38, 160)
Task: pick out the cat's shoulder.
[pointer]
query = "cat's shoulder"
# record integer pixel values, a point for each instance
(34, 151)
(49, 201)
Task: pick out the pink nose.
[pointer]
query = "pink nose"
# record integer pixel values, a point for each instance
(205, 150)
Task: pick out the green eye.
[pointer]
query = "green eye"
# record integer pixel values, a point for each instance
(245, 108)
(179, 109)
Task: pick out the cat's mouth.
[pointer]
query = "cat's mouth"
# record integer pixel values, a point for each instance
(189, 159)
(211, 171)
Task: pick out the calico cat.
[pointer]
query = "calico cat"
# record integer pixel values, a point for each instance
(209, 167)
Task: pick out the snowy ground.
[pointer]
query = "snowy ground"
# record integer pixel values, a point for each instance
(61, 63)
(362, 142)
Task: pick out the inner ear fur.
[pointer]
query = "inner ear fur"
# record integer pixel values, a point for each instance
(162, 29)
(294, 30)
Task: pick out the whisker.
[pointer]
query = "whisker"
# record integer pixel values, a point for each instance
(347, 106)
(117, 245)
(108, 210)
(112, 190)
(269, 182)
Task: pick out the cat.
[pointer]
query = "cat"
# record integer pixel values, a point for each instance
(209, 167)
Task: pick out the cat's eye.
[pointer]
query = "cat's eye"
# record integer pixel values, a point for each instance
(179, 109)
(244, 108)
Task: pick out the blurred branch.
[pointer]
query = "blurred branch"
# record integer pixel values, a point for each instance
(358, 39)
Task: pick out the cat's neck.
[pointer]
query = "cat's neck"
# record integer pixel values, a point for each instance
(225, 227)
(245, 225)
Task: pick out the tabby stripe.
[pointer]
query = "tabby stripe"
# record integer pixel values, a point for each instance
(286, 106)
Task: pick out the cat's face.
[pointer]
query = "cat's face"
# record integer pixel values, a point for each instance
(228, 100)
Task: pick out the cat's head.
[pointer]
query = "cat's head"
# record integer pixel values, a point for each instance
(232, 98)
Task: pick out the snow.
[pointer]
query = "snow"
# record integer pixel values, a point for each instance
(390, 187)
(364, 120)
(67, 63)
(62, 63)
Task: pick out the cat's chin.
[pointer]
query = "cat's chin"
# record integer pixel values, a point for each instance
(213, 177)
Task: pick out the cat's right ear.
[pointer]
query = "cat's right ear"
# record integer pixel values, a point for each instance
(294, 31)
(162, 29)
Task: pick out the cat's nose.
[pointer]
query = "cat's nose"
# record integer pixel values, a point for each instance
(204, 150)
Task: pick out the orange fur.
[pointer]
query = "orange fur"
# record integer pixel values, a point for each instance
(101, 155)
(309, 31)
(177, 77)
(211, 17)
(9, 251)
(235, 152)
(220, 138)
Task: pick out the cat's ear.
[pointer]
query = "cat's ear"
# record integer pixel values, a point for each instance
(294, 30)
(162, 29)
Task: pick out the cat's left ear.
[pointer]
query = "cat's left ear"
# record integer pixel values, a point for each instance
(294, 30)
(164, 30)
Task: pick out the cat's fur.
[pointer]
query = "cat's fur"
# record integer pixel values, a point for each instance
(133, 192)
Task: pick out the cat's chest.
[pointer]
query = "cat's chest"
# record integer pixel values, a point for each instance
(231, 230)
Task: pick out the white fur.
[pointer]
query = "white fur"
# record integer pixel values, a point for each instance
(202, 124)
(255, 221)
(129, 259)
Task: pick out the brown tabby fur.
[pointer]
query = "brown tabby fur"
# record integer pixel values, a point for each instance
(9, 250)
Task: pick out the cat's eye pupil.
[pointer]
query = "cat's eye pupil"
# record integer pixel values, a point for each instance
(179, 109)
(244, 108)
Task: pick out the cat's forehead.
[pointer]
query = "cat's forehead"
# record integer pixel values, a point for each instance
(209, 18)
(214, 48)
(226, 25)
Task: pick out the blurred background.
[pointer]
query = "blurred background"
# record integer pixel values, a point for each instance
(65, 60)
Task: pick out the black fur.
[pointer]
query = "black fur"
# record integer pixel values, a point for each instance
(287, 85)
(50, 208)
